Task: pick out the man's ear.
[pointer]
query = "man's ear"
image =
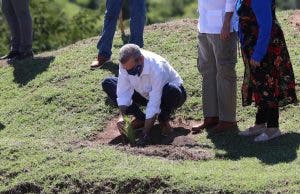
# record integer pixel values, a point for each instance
(142, 59)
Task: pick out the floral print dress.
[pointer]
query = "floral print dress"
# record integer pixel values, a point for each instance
(272, 82)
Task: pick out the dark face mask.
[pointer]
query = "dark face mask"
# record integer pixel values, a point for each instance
(136, 70)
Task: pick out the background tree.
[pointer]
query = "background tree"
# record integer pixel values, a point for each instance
(61, 22)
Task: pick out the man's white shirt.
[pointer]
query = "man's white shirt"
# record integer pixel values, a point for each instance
(212, 15)
(157, 72)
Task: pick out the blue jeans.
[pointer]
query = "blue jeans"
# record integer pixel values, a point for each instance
(137, 22)
(172, 98)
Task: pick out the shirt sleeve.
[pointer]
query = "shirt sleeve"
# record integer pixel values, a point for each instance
(157, 84)
(124, 89)
(230, 5)
(263, 13)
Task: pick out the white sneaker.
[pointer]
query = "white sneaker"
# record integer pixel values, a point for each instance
(268, 134)
(254, 130)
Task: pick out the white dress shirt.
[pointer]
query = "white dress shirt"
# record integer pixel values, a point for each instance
(212, 15)
(157, 72)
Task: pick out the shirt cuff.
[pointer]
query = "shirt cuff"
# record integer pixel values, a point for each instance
(229, 7)
(123, 102)
(151, 112)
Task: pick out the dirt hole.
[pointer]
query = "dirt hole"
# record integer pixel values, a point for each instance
(179, 145)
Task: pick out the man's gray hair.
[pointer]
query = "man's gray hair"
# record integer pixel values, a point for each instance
(129, 51)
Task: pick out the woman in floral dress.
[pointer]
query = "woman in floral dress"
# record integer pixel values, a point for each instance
(269, 79)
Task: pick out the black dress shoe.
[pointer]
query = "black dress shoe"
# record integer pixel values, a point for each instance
(25, 55)
(11, 55)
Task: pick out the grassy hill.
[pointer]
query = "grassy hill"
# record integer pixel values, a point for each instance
(54, 100)
(69, 8)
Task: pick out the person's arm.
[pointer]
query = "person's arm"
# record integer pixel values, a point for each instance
(124, 95)
(225, 32)
(122, 112)
(124, 89)
(263, 13)
(153, 106)
(229, 9)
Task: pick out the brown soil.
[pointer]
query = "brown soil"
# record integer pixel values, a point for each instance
(25, 187)
(3, 63)
(295, 19)
(179, 145)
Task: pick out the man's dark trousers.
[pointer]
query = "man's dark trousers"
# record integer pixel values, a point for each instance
(172, 98)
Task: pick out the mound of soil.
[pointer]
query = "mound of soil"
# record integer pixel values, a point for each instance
(179, 145)
(25, 187)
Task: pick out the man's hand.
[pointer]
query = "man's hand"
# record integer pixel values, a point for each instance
(121, 123)
(225, 31)
(123, 110)
(145, 139)
(149, 124)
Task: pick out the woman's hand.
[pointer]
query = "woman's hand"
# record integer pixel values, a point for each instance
(254, 63)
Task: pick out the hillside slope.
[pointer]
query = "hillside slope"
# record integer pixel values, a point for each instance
(55, 100)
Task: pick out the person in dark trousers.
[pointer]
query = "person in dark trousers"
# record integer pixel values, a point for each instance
(147, 79)
(19, 21)
(269, 78)
(137, 22)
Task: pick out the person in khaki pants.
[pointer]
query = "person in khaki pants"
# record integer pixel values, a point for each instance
(217, 57)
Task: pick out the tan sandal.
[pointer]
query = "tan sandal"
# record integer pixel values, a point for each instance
(254, 130)
(268, 134)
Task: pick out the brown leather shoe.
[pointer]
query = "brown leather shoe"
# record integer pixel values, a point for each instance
(137, 124)
(208, 122)
(166, 128)
(224, 126)
(99, 62)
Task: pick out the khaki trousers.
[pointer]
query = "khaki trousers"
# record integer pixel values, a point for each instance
(216, 63)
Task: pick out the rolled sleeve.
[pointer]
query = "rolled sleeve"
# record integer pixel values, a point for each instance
(151, 112)
(124, 89)
(123, 101)
(230, 5)
(153, 106)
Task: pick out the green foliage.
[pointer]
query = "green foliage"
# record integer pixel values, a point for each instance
(91, 4)
(50, 25)
(288, 4)
(83, 25)
(128, 130)
(55, 27)
(4, 37)
(160, 11)
(58, 23)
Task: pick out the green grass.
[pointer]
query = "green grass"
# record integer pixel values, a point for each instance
(54, 100)
(69, 8)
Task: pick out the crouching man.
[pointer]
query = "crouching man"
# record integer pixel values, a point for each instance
(145, 79)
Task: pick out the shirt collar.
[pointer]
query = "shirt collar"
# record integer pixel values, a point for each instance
(146, 68)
